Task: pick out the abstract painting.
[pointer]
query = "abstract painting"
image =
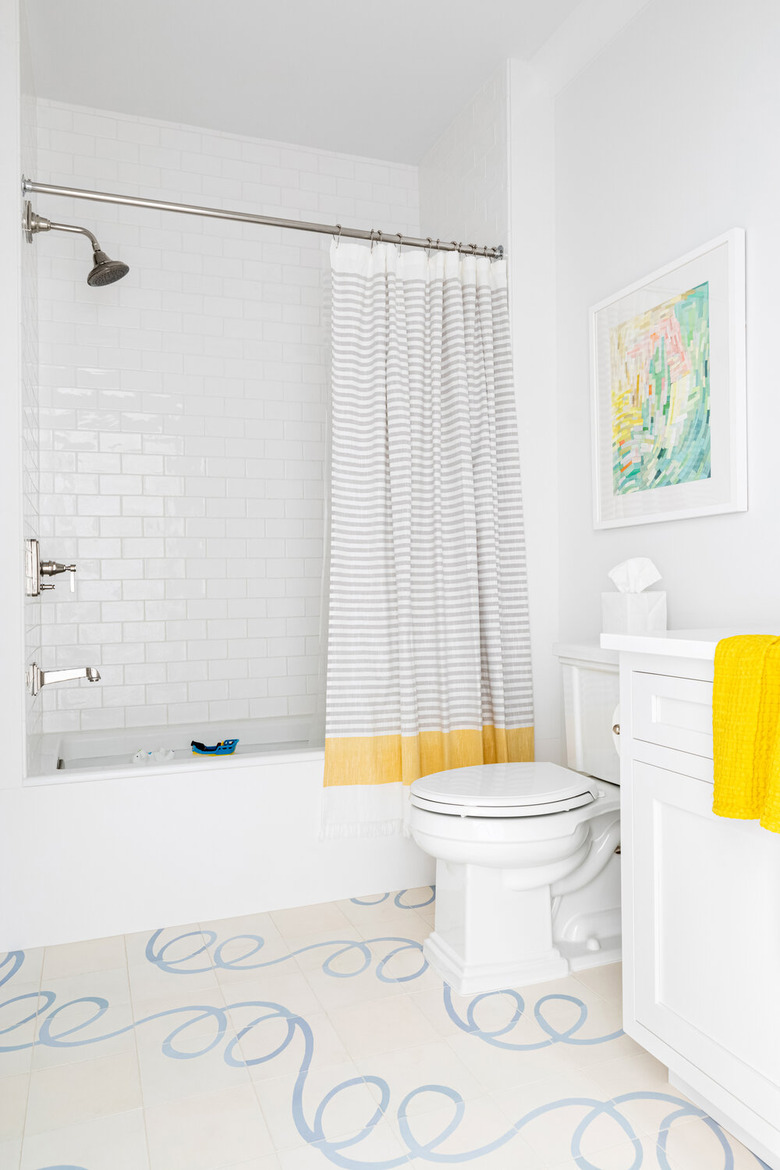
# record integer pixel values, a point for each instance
(661, 395)
(668, 391)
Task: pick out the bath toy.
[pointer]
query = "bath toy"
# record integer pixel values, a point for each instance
(225, 748)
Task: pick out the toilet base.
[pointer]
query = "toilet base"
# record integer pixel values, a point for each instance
(472, 978)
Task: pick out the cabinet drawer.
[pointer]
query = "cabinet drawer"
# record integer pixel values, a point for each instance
(672, 712)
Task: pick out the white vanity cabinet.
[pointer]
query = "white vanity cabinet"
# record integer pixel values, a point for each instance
(701, 897)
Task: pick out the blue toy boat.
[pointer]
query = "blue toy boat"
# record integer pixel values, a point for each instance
(225, 748)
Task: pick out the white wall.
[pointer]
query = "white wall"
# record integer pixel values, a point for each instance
(183, 421)
(465, 183)
(532, 269)
(489, 179)
(662, 143)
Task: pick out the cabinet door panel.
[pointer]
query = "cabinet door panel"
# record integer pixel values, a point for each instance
(707, 931)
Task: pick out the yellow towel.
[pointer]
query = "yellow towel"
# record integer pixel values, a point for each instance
(746, 729)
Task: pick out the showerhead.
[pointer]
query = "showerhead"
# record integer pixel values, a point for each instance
(105, 270)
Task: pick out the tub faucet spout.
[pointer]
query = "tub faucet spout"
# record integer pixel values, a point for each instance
(37, 678)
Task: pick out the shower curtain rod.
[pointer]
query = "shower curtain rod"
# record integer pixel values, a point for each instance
(29, 186)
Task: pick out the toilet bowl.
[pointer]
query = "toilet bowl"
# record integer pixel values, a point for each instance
(527, 876)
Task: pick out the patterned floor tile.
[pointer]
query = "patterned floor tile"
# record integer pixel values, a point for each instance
(331, 1102)
(395, 1075)
(11, 1153)
(269, 1162)
(475, 1133)
(297, 923)
(368, 971)
(368, 1029)
(19, 1005)
(319, 1037)
(379, 1148)
(75, 1093)
(13, 1105)
(25, 966)
(117, 1142)
(101, 1031)
(240, 946)
(174, 948)
(275, 1046)
(207, 1131)
(159, 1010)
(169, 1077)
(607, 981)
(84, 958)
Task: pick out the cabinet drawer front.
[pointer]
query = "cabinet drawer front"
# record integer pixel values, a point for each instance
(672, 712)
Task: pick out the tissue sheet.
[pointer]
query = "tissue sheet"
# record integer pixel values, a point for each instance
(634, 575)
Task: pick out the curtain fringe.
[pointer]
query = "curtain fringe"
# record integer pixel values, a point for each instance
(331, 832)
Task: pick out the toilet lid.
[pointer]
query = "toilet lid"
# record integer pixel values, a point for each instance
(502, 790)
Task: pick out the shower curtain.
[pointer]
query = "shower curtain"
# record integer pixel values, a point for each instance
(428, 642)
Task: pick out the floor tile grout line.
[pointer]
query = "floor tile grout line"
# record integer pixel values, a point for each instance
(137, 1054)
(30, 1066)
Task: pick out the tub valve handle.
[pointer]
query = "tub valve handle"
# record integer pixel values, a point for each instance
(51, 568)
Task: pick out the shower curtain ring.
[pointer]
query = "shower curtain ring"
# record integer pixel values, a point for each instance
(400, 242)
(371, 237)
(429, 249)
(337, 235)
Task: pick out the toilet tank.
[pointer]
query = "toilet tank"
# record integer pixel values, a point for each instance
(590, 697)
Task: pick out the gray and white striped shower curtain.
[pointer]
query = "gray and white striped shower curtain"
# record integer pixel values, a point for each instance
(429, 649)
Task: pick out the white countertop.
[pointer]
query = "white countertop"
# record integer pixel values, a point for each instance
(678, 643)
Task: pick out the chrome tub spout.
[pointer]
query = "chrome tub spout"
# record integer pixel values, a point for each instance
(37, 678)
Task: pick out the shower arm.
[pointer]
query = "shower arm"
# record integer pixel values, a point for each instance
(37, 223)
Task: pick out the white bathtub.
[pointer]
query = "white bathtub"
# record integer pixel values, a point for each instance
(102, 847)
(73, 755)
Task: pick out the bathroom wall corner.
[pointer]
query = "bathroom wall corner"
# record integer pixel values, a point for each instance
(11, 526)
(531, 254)
(30, 396)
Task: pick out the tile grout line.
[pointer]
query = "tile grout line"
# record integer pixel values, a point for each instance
(135, 1049)
(253, 1083)
(32, 1056)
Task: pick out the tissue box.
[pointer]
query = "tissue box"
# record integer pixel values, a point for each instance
(633, 613)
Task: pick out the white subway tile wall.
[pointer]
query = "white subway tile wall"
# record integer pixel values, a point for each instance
(183, 416)
(464, 177)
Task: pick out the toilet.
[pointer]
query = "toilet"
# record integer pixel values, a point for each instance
(527, 865)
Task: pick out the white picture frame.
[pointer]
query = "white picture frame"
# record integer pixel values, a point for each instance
(639, 475)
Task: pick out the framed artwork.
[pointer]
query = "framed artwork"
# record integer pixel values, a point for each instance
(668, 391)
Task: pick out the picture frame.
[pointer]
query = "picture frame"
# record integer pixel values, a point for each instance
(668, 391)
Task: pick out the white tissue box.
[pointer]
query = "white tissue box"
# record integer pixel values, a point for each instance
(633, 613)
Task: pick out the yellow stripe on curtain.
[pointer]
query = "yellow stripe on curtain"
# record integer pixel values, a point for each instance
(388, 759)
(746, 729)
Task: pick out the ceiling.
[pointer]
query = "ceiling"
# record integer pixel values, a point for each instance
(380, 79)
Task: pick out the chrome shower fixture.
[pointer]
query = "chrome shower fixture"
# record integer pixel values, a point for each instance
(105, 270)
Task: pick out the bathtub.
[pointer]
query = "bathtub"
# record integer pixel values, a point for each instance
(79, 754)
(103, 847)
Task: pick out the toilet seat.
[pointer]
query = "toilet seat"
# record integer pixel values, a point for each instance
(503, 790)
